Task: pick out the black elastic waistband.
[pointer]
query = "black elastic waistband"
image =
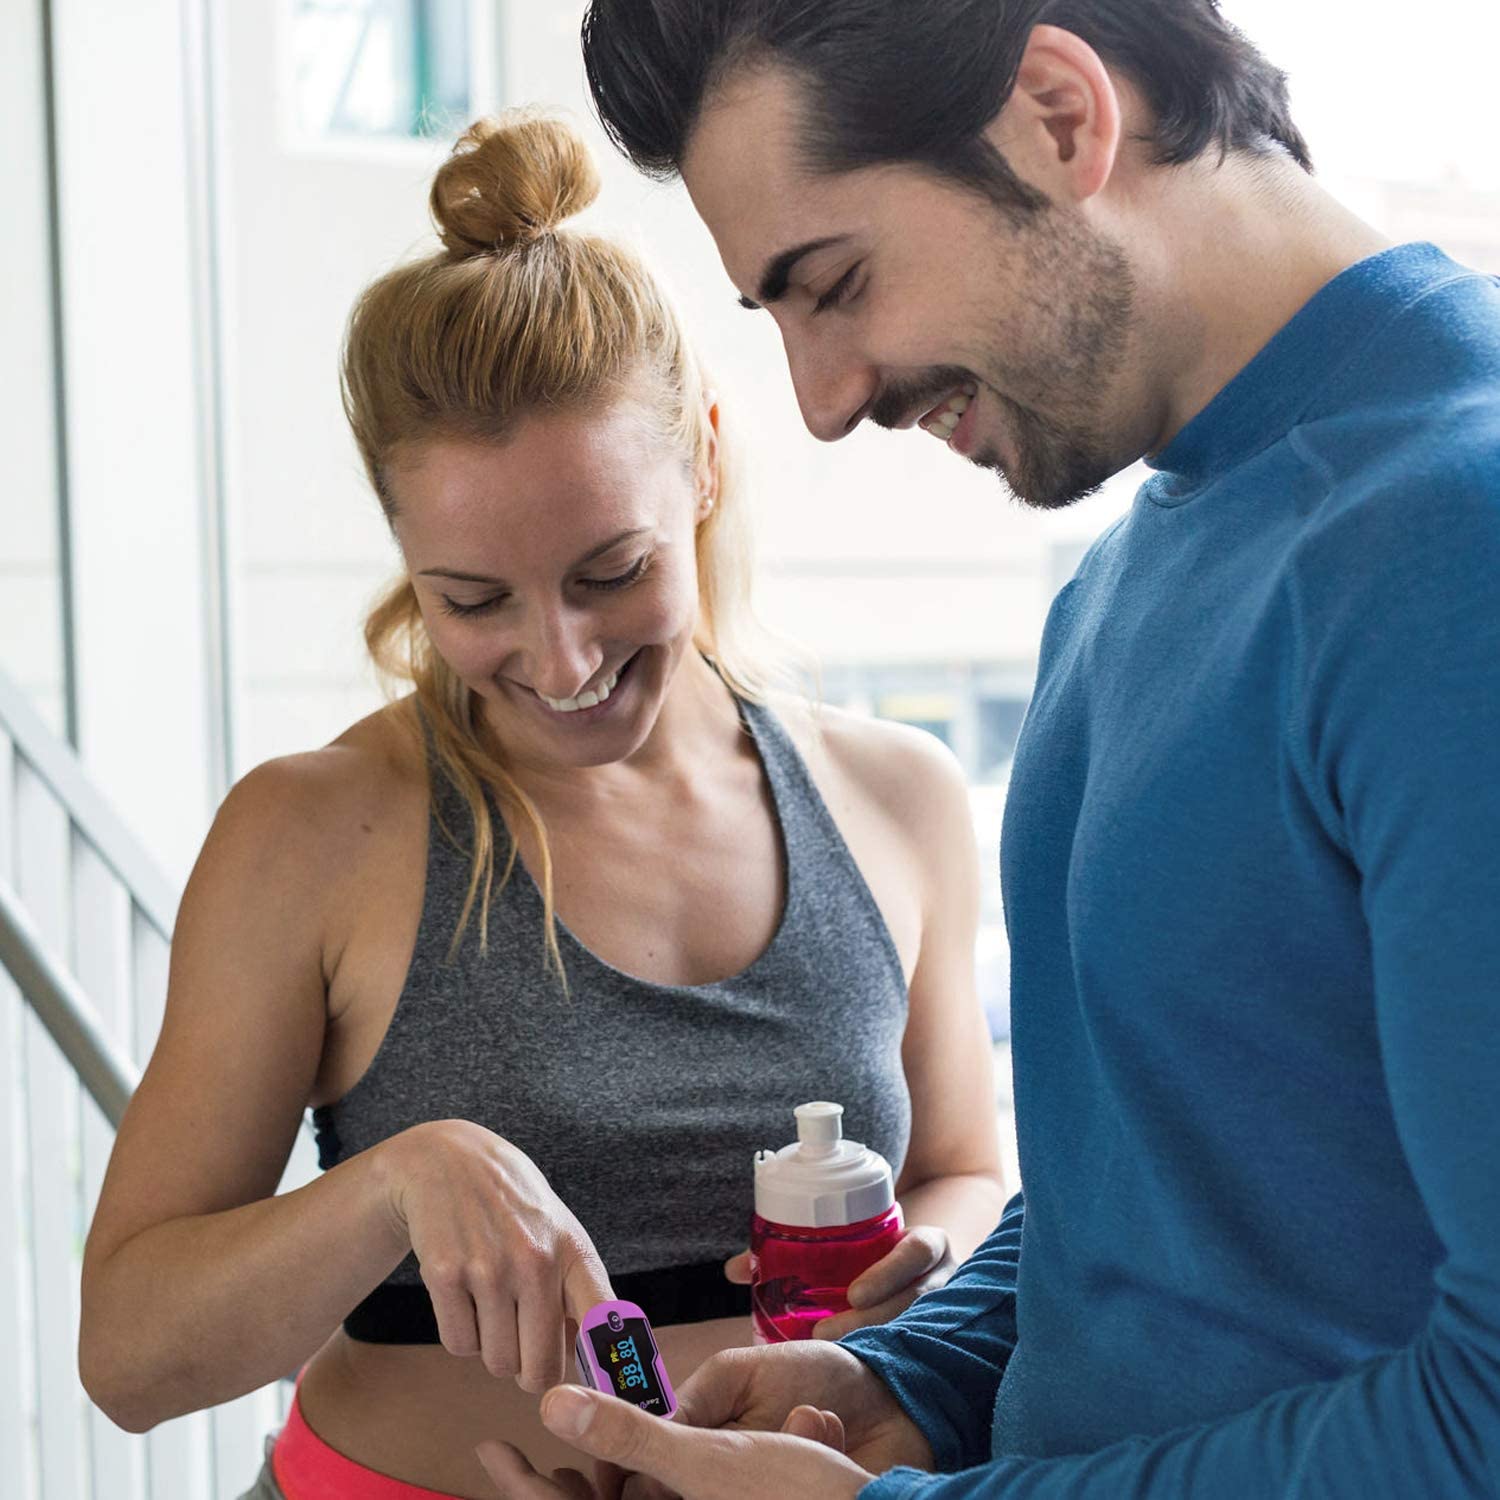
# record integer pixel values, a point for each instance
(402, 1314)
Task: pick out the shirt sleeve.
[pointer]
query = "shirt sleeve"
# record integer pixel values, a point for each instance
(944, 1356)
(1400, 752)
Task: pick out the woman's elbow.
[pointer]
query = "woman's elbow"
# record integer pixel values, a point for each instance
(112, 1372)
(112, 1395)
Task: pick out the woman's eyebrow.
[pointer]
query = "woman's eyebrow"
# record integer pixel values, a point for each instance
(460, 577)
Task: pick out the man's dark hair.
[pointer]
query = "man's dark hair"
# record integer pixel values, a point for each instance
(918, 80)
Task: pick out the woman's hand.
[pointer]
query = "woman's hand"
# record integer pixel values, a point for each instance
(510, 1271)
(921, 1261)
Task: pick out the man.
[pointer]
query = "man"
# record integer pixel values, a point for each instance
(1252, 845)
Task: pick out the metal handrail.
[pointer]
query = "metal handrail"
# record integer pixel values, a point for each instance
(59, 768)
(60, 1003)
(64, 1010)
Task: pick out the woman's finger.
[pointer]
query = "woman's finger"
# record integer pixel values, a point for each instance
(541, 1329)
(920, 1250)
(453, 1307)
(495, 1308)
(737, 1268)
(835, 1327)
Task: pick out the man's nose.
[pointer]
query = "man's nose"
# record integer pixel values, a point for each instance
(834, 389)
(562, 656)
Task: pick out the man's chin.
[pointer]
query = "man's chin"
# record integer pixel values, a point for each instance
(1021, 488)
(1041, 491)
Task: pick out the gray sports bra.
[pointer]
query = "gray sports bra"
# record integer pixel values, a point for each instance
(643, 1104)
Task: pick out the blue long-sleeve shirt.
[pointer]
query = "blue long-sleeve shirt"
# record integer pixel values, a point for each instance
(1251, 862)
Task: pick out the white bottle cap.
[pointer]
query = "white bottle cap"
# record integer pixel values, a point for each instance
(822, 1179)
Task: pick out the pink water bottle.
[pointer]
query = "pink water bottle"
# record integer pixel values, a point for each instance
(825, 1210)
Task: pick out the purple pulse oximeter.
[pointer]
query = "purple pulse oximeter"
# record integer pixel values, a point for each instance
(617, 1354)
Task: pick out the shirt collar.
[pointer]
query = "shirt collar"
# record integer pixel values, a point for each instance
(1270, 395)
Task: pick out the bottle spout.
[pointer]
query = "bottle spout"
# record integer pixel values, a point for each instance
(820, 1127)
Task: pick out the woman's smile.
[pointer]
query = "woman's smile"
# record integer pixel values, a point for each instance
(591, 705)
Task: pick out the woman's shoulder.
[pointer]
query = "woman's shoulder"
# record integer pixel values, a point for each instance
(320, 802)
(911, 775)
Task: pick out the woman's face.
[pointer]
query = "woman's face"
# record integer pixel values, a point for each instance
(557, 576)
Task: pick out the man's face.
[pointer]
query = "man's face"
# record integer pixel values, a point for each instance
(906, 298)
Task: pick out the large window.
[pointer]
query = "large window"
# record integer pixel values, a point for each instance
(372, 68)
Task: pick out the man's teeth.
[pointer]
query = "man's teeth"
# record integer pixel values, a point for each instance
(590, 699)
(943, 423)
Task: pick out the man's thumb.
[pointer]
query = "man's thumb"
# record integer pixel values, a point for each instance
(571, 1412)
(618, 1431)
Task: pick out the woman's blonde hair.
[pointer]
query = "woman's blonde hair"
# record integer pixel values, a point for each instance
(514, 315)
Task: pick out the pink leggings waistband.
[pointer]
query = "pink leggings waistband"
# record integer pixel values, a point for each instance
(306, 1468)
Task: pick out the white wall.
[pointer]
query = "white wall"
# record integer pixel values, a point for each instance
(308, 230)
(30, 606)
(131, 355)
(883, 549)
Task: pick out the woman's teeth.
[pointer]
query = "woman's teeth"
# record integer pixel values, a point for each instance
(943, 423)
(590, 699)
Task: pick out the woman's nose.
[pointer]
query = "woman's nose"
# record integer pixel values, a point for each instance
(562, 657)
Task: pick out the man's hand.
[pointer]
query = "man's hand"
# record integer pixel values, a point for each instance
(809, 1390)
(695, 1463)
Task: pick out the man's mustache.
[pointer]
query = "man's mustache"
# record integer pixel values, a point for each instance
(900, 399)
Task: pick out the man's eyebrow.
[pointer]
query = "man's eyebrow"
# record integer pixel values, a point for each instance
(777, 275)
(588, 557)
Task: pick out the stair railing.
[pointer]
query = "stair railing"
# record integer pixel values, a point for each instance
(85, 928)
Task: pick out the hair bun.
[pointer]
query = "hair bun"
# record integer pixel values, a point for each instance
(511, 177)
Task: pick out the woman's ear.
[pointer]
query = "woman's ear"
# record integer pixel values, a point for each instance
(708, 474)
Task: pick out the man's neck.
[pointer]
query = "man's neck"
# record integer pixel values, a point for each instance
(1238, 250)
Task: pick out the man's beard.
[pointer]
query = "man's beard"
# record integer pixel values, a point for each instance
(1063, 348)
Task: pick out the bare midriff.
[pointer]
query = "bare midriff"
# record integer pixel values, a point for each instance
(416, 1412)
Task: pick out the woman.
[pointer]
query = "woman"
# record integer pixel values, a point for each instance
(553, 943)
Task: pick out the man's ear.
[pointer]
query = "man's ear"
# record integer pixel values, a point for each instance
(1061, 127)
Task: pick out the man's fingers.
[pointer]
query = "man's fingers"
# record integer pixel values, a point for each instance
(697, 1464)
(836, 1436)
(515, 1479)
(638, 1487)
(506, 1467)
(610, 1481)
(816, 1425)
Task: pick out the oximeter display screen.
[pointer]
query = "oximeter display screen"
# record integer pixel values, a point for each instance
(628, 1358)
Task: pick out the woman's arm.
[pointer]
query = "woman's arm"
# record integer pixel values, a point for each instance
(198, 1285)
(953, 1175)
(951, 1186)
